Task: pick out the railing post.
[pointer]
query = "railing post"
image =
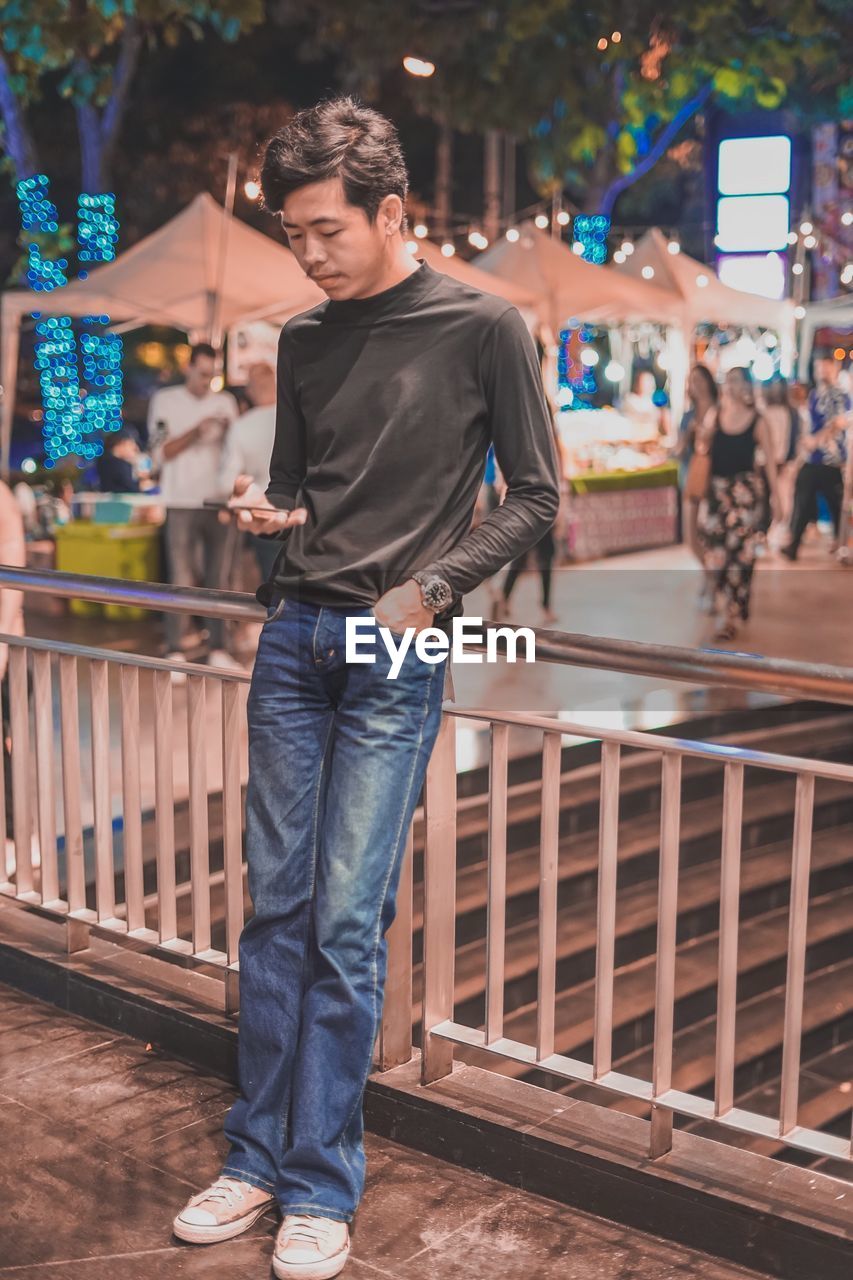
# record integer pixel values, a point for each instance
(660, 1141)
(232, 839)
(395, 1033)
(439, 902)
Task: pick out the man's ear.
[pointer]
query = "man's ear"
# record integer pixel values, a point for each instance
(390, 215)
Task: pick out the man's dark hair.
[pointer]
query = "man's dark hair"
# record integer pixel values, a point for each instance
(201, 349)
(342, 139)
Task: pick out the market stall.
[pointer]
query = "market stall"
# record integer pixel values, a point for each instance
(624, 490)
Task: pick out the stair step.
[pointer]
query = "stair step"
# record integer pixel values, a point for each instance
(826, 1093)
(764, 869)
(823, 738)
(768, 817)
(763, 952)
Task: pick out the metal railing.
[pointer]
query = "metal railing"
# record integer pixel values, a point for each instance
(141, 893)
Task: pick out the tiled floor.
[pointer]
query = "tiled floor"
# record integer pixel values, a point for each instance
(104, 1138)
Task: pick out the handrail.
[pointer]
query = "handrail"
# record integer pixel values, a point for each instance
(781, 676)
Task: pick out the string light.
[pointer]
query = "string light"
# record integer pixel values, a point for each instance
(847, 273)
(614, 371)
(648, 273)
(810, 242)
(792, 237)
(59, 380)
(39, 216)
(421, 231)
(602, 44)
(616, 37)
(97, 228)
(674, 247)
(101, 361)
(412, 246)
(799, 313)
(702, 281)
(478, 240)
(575, 380)
(806, 228)
(592, 231)
(541, 221)
(627, 248)
(252, 189)
(847, 218)
(619, 257)
(448, 249)
(80, 381)
(577, 248)
(513, 234)
(797, 269)
(564, 218)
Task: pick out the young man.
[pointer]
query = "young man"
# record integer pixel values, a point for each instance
(388, 397)
(187, 425)
(826, 453)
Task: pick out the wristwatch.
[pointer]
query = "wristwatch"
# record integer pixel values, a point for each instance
(436, 593)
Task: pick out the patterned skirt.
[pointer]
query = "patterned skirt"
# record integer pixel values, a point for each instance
(730, 529)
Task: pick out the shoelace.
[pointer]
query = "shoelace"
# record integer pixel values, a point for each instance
(223, 1190)
(314, 1231)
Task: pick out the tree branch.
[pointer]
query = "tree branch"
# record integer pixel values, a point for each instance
(131, 43)
(665, 138)
(18, 141)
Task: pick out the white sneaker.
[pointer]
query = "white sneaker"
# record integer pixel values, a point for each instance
(308, 1248)
(223, 661)
(177, 655)
(228, 1207)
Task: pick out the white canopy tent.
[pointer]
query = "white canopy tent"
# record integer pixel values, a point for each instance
(201, 273)
(834, 313)
(704, 298)
(569, 287)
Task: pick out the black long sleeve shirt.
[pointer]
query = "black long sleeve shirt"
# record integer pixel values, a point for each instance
(386, 409)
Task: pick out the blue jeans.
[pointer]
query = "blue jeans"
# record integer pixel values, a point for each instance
(337, 757)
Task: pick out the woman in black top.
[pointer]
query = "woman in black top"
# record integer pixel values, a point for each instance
(731, 520)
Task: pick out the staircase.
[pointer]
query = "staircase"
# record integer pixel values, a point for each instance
(814, 730)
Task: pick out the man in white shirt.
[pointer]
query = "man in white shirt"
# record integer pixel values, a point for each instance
(188, 424)
(248, 449)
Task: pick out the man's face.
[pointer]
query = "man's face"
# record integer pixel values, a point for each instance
(199, 375)
(827, 371)
(334, 242)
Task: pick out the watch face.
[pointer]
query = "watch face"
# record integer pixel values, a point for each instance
(437, 595)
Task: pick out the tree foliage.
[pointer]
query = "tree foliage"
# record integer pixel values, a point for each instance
(87, 52)
(598, 111)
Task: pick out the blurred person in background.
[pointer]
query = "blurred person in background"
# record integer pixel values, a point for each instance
(783, 423)
(702, 395)
(116, 466)
(187, 425)
(730, 521)
(824, 449)
(641, 406)
(248, 449)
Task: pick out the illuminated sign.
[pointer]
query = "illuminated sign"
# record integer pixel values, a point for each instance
(754, 213)
(761, 273)
(754, 166)
(747, 223)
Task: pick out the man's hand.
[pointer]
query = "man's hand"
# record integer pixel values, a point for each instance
(402, 607)
(247, 494)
